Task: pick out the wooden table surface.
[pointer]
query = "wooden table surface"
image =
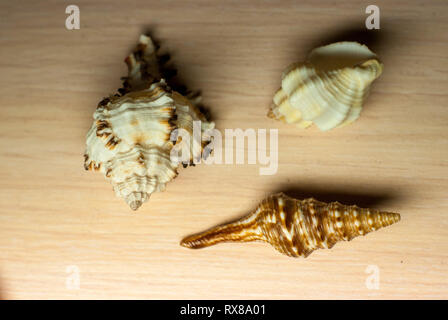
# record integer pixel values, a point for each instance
(60, 224)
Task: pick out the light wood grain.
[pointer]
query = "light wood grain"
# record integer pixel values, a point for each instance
(53, 214)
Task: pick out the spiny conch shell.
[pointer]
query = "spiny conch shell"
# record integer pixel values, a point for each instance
(129, 141)
(296, 227)
(329, 88)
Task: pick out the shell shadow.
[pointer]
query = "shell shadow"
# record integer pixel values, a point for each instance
(356, 31)
(169, 71)
(345, 195)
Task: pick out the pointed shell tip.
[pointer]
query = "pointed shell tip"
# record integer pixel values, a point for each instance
(135, 205)
(187, 244)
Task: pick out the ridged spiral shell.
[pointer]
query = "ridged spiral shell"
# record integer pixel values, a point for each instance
(129, 141)
(296, 227)
(329, 88)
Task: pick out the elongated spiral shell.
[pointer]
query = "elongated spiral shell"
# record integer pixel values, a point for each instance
(328, 89)
(296, 227)
(129, 141)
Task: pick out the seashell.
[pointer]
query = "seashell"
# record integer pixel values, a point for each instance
(296, 227)
(129, 141)
(328, 89)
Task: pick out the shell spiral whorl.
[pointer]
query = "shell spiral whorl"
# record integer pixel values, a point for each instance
(296, 227)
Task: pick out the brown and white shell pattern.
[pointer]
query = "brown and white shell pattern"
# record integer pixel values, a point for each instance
(296, 227)
(129, 141)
